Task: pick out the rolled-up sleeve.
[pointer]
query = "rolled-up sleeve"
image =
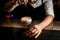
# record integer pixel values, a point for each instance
(49, 7)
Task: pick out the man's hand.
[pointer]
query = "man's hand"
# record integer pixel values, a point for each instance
(34, 31)
(24, 1)
(20, 1)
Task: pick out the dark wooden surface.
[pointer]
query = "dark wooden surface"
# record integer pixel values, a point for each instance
(15, 32)
(55, 25)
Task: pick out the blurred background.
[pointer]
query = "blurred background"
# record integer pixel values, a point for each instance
(10, 33)
(56, 9)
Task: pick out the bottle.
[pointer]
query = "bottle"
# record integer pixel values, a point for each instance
(9, 6)
(13, 7)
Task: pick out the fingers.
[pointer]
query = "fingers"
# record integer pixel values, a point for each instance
(33, 32)
(38, 34)
(12, 1)
(30, 31)
(22, 1)
(16, 2)
(33, 1)
(19, 1)
(25, 2)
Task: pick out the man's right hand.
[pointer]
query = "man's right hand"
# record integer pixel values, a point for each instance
(20, 1)
(9, 6)
(23, 1)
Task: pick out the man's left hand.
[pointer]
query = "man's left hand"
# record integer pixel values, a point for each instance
(34, 31)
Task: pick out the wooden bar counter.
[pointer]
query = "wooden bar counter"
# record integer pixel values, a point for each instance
(55, 25)
(12, 29)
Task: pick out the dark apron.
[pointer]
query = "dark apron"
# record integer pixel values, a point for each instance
(35, 14)
(21, 11)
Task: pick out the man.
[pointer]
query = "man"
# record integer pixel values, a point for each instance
(36, 30)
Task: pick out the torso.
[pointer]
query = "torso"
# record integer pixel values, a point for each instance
(36, 14)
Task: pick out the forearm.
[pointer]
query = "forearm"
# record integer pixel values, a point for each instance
(46, 21)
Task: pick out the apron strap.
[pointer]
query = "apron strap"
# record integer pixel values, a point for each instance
(42, 2)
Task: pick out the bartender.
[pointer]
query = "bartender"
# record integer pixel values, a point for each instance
(39, 9)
